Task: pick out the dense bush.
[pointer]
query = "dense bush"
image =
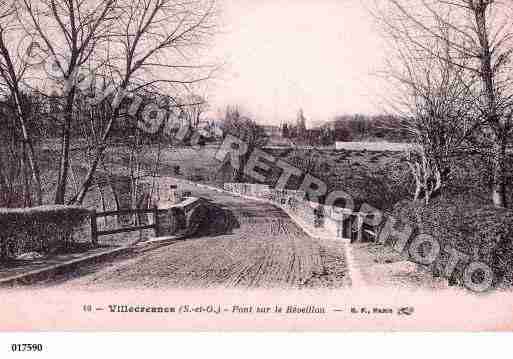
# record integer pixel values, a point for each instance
(360, 127)
(485, 233)
(381, 187)
(473, 175)
(41, 229)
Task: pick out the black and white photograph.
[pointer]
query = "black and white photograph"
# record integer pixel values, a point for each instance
(237, 165)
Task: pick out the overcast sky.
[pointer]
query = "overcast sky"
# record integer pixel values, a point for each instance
(282, 55)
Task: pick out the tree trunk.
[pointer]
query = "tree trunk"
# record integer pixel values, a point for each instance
(60, 193)
(499, 173)
(28, 148)
(487, 76)
(27, 198)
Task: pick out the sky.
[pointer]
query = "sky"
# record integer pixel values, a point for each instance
(283, 55)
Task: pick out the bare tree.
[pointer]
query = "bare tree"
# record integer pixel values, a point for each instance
(155, 47)
(12, 72)
(477, 38)
(439, 104)
(193, 107)
(246, 130)
(72, 32)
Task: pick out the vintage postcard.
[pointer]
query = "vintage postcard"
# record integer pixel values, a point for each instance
(243, 165)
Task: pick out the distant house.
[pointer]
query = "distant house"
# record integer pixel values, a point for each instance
(272, 131)
(210, 128)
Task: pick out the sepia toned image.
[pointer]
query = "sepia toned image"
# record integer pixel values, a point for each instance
(235, 165)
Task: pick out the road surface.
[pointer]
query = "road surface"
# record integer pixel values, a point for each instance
(246, 244)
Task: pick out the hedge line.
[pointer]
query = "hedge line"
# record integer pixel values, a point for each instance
(484, 233)
(38, 228)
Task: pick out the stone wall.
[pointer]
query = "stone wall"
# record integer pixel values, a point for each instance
(181, 213)
(39, 229)
(317, 218)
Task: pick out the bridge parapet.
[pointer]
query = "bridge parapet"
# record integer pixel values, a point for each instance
(324, 220)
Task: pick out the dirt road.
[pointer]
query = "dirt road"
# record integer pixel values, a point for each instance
(247, 244)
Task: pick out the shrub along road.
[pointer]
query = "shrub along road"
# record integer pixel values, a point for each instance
(242, 244)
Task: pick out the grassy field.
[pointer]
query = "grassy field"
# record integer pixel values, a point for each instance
(362, 173)
(380, 178)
